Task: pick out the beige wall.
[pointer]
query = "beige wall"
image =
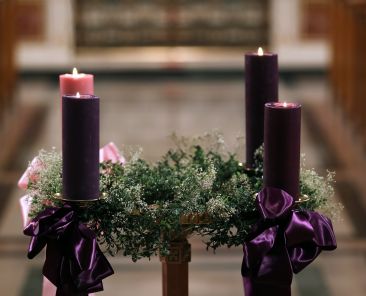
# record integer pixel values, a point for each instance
(57, 50)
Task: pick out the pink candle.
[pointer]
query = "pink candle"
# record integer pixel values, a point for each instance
(76, 83)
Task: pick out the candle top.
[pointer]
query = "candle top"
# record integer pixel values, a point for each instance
(260, 53)
(283, 105)
(78, 96)
(75, 74)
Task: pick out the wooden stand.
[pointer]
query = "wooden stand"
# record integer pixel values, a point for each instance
(175, 268)
(7, 49)
(175, 265)
(348, 20)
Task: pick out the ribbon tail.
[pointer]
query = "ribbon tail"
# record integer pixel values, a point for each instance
(90, 266)
(35, 246)
(65, 291)
(308, 234)
(54, 272)
(91, 279)
(52, 263)
(266, 268)
(254, 287)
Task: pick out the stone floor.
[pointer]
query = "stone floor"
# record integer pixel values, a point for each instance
(144, 112)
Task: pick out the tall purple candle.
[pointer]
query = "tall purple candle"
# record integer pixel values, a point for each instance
(261, 86)
(282, 125)
(80, 147)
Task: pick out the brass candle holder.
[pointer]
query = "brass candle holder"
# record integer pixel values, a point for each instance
(80, 202)
(302, 199)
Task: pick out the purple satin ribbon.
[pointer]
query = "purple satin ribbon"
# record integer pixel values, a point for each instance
(283, 242)
(74, 262)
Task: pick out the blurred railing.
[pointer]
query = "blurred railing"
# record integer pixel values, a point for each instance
(348, 25)
(7, 46)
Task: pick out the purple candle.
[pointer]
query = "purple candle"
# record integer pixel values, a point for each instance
(261, 86)
(282, 124)
(80, 147)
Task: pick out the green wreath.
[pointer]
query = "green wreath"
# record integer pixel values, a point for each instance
(197, 187)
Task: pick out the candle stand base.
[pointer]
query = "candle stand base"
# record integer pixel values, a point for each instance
(175, 268)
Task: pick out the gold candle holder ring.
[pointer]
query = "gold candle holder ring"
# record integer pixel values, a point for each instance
(80, 202)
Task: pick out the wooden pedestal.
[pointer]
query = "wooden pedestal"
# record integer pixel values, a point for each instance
(175, 268)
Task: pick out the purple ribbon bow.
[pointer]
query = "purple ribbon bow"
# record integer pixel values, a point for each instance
(283, 242)
(74, 262)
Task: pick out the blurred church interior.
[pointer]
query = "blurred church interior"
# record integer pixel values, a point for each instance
(178, 66)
